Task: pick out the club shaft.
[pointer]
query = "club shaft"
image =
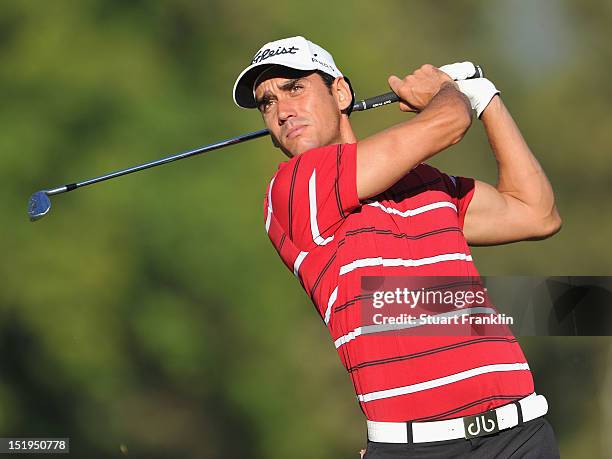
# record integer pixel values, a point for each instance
(359, 106)
(159, 162)
(372, 102)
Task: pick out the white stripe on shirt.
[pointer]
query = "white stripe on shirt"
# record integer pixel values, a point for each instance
(413, 212)
(298, 262)
(432, 383)
(330, 303)
(269, 217)
(379, 328)
(407, 262)
(312, 198)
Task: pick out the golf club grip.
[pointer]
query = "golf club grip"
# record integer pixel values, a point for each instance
(459, 71)
(376, 101)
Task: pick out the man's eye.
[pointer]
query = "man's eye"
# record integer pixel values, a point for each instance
(265, 105)
(297, 88)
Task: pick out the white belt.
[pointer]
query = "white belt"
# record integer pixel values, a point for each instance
(532, 407)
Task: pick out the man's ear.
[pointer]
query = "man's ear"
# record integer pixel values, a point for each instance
(342, 92)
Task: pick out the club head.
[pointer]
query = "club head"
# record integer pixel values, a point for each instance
(39, 205)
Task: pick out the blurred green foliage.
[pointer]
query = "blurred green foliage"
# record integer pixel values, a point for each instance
(150, 316)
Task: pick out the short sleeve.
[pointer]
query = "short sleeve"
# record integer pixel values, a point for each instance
(462, 191)
(314, 192)
(459, 189)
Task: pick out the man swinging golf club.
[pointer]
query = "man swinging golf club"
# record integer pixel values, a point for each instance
(342, 208)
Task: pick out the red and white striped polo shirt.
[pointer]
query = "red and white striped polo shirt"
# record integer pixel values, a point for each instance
(329, 239)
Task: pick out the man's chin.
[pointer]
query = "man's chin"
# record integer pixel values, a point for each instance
(300, 145)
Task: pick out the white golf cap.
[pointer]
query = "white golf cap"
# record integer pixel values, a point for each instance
(294, 52)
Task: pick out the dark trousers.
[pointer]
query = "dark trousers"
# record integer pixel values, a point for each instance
(533, 439)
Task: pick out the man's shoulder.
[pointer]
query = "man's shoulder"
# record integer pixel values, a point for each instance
(427, 170)
(429, 174)
(422, 179)
(319, 152)
(310, 158)
(421, 175)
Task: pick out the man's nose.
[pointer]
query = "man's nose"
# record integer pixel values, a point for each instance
(286, 109)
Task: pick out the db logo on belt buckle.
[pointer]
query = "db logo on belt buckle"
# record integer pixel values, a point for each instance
(481, 424)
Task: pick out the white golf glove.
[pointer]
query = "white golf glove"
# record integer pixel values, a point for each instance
(462, 70)
(479, 91)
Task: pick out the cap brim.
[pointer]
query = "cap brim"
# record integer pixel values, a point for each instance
(243, 87)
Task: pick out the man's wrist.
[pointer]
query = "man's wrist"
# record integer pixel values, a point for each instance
(455, 91)
(493, 108)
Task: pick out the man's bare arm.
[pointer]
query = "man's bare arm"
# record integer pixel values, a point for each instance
(521, 206)
(444, 118)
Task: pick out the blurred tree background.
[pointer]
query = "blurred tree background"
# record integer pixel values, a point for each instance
(150, 316)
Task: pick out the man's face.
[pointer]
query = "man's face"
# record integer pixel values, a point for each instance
(298, 109)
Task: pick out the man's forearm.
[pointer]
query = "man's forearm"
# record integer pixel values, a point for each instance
(520, 174)
(445, 120)
(385, 157)
(460, 114)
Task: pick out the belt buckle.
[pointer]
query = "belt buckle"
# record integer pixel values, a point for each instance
(481, 424)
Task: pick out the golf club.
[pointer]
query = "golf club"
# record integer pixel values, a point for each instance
(40, 204)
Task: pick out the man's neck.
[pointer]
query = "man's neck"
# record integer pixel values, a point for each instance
(346, 133)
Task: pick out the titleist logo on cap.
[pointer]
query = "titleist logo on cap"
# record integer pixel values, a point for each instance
(264, 54)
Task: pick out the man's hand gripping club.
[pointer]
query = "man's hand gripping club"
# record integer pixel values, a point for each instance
(418, 89)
